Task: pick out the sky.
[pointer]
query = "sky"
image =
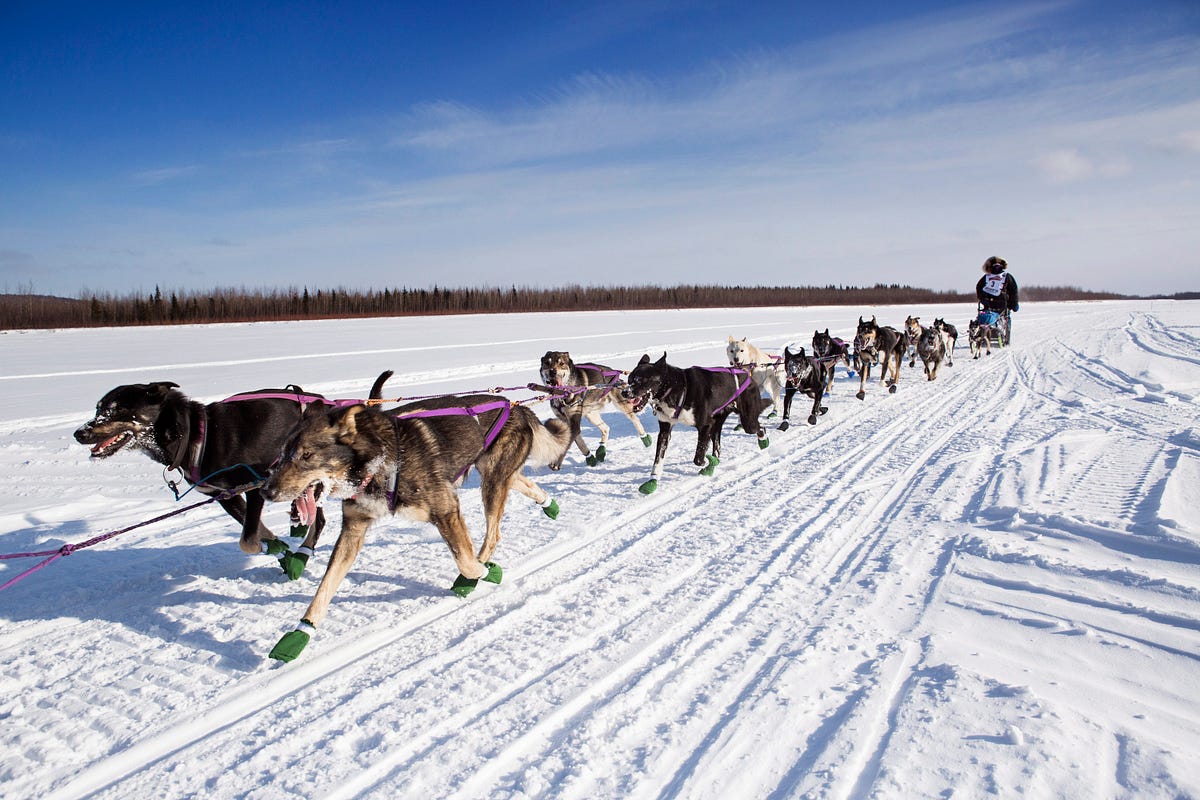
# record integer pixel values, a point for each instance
(201, 145)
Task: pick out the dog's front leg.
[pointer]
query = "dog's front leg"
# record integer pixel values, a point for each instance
(453, 528)
(660, 452)
(706, 436)
(602, 448)
(253, 531)
(818, 393)
(788, 394)
(355, 522)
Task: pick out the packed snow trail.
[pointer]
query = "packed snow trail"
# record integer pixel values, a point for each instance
(980, 585)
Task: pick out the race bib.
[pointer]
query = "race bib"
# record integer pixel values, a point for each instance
(994, 284)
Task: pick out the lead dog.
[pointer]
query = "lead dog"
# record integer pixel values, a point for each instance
(702, 397)
(806, 375)
(219, 447)
(873, 342)
(558, 371)
(763, 367)
(410, 461)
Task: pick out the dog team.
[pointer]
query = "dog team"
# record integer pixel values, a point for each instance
(288, 445)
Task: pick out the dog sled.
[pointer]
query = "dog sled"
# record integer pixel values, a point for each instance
(998, 325)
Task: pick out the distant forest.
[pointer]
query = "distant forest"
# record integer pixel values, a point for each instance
(21, 311)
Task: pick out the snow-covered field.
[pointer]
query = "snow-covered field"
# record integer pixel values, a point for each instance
(985, 585)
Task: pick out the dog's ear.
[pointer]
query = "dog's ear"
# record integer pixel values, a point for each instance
(645, 359)
(663, 360)
(347, 424)
(827, 331)
(731, 340)
(860, 320)
(160, 389)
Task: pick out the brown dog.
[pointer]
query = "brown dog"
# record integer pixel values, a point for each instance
(410, 460)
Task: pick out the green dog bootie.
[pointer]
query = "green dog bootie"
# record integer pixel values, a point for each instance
(764, 443)
(274, 547)
(550, 508)
(646, 440)
(298, 531)
(294, 563)
(712, 466)
(293, 642)
(649, 486)
(463, 585)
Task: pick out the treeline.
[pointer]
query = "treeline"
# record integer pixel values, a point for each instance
(95, 309)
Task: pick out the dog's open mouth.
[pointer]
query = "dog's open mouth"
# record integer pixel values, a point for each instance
(107, 447)
(304, 507)
(638, 402)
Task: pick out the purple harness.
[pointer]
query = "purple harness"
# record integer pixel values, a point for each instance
(503, 406)
(734, 371)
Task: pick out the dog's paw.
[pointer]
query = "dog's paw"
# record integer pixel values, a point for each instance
(783, 426)
(293, 564)
(649, 486)
(860, 395)
(646, 440)
(763, 443)
(551, 508)
(274, 547)
(292, 643)
(712, 466)
(892, 389)
(298, 531)
(601, 453)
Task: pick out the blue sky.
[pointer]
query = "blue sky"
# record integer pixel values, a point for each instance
(197, 145)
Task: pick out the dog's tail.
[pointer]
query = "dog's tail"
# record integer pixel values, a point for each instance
(550, 440)
(377, 387)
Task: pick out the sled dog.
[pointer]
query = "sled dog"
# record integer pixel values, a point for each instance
(763, 367)
(559, 371)
(949, 336)
(219, 447)
(932, 349)
(873, 341)
(912, 332)
(702, 397)
(410, 461)
(830, 350)
(979, 336)
(806, 375)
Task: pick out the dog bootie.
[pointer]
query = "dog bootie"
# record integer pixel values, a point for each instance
(783, 426)
(294, 563)
(649, 486)
(293, 642)
(763, 443)
(597, 457)
(274, 547)
(463, 585)
(298, 531)
(646, 440)
(712, 466)
(550, 508)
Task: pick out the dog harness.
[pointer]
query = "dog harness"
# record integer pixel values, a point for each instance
(734, 371)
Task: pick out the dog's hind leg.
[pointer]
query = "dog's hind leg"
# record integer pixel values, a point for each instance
(354, 527)
(495, 495)
(537, 494)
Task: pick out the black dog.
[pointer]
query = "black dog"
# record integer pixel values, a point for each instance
(220, 447)
(807, 375)
(830, 350)
(870, 343)
(699, 396)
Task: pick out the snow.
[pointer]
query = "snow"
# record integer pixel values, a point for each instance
(985, 585)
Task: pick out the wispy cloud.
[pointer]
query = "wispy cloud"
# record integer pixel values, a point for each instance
(153, 177)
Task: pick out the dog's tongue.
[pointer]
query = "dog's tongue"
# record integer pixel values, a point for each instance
(306, 506)
(102, 445)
